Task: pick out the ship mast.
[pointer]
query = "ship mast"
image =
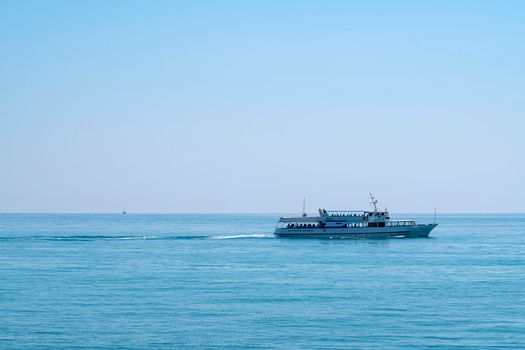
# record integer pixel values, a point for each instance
(304, 206)
(373, 201)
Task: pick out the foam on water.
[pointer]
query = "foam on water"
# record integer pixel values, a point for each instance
(241, 236)
(78, 238)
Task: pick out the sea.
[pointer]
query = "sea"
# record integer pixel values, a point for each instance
(223, 281)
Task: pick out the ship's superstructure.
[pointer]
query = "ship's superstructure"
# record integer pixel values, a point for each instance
(351, 224)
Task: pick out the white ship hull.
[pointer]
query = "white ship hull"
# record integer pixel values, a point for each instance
(358, 232)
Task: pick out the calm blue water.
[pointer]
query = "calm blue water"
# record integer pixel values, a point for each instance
(223, 281)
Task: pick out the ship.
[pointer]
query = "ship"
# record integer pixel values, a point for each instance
(351, 224)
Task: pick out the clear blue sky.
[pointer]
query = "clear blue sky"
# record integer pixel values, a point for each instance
(246, 106)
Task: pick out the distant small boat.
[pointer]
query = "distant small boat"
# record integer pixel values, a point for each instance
(124, 210)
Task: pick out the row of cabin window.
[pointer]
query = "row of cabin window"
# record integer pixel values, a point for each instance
(402, 223)
(346, 215)
(302, 225)
(358, 224)
(376, 224)
(354, 225)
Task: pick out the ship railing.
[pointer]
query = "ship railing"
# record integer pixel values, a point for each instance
(345, 212)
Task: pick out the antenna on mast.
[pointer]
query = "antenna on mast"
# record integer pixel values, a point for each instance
(373, 202)
(304, 206)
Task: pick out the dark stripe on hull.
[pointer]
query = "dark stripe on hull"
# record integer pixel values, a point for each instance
(421, 231)
(346, 235)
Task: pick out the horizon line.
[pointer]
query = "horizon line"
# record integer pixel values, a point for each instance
(232, 213)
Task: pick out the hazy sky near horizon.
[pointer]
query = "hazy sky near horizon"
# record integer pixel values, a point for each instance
(246, 106)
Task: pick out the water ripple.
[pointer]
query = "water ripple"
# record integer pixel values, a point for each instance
(76, 238)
